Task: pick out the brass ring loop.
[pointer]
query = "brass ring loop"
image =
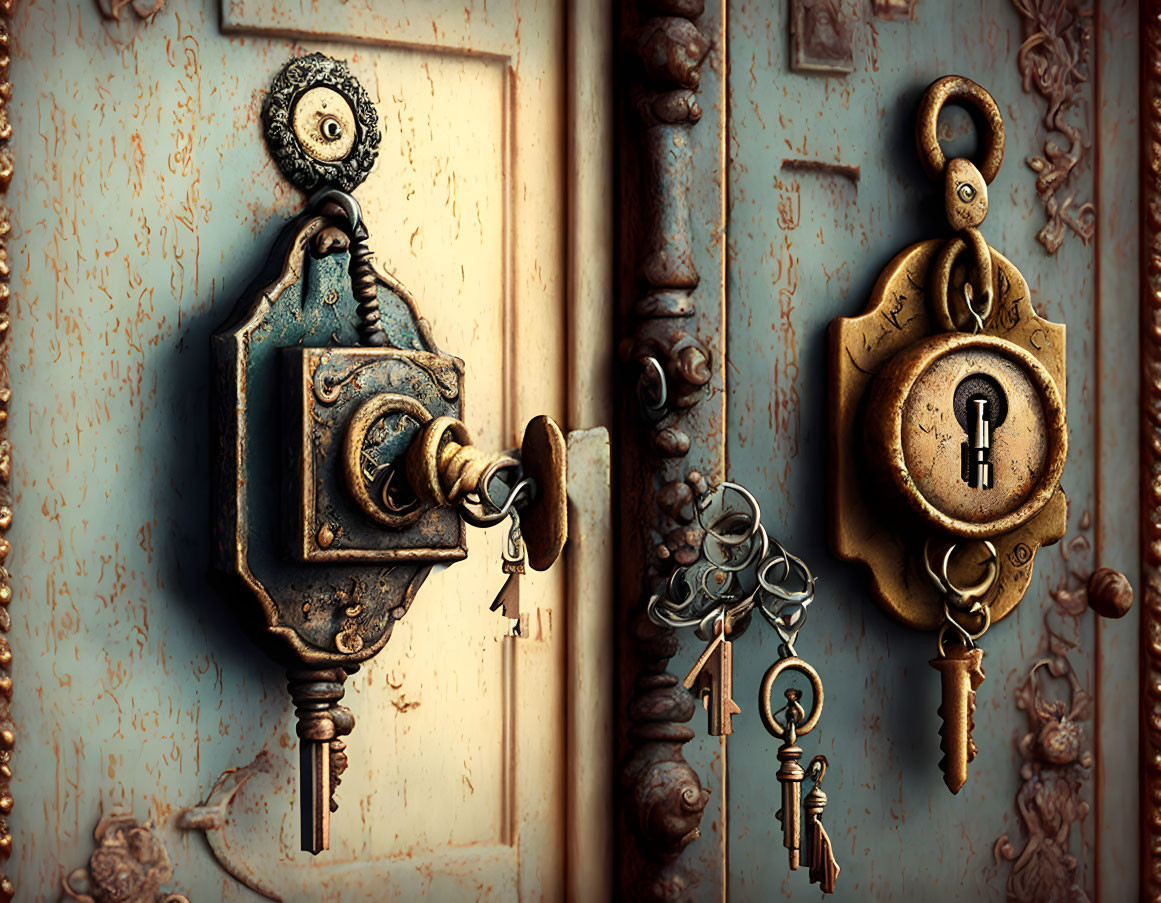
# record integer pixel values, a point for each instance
(367, 415)
(969, 637)
(950, 89)
(943, 582)
(940, 286)
(765, 708)
(423, 457)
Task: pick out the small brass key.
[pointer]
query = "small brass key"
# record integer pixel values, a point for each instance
(713, 676)
(961, 673)
(819, 853)
(795, 723)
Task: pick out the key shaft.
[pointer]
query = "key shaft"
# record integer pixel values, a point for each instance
(961, 673)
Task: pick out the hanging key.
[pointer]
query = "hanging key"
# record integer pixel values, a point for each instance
(960, 663)
(712, 679)
(790, 775)
(961, 673)
(819, 853)
(512, 564)
(322, 722)
(795, 723)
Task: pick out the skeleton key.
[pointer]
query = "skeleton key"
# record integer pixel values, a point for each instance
(713, 675)
(795, 723)
(961, 673)
(819, 854)
(508, 598)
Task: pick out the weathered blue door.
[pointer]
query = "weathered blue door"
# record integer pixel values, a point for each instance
(803, 183)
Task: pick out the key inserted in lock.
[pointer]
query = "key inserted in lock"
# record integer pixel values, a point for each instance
(980, 407)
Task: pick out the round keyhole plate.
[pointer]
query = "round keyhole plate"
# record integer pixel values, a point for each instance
(914, 439)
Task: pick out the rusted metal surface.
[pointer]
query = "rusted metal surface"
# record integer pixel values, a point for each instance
(668, 429)
(1054, 62)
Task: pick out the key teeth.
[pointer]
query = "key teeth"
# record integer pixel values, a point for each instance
(971, 663)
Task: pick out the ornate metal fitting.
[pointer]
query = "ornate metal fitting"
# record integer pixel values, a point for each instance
(949, 418)
(129, 865)
(321, 127)
(949, 427)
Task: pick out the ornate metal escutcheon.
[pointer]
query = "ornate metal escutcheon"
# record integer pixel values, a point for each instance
(342, 468)
(948, 427)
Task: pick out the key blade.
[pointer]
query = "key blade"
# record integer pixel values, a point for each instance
(711, 677)
(961, 673)
(508, 598)
(315, 766)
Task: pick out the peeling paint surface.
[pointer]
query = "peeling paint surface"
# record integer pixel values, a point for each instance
(146, 201)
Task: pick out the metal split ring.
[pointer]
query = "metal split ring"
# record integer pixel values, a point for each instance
(940, 285)
(655, 408)
(963, 599)
(765, 708)
(967, 637)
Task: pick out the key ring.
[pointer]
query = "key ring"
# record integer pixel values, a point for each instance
(962, 599)
(764, 706)
(755, 513)
(967, 638)
(940, 281)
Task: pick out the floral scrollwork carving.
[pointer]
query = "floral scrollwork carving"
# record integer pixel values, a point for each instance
(1054, 62)
(129, 866)
(1056, 765)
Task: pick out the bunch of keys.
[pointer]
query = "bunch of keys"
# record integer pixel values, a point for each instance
(741, 568)
(960, 661)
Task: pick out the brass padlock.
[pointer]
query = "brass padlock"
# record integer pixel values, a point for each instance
(337, 483)
(948, 427)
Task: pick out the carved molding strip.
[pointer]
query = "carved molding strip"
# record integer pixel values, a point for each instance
(1150, 63)
(1055, 764)
(1054, 62)
(662, 796)
(7, 729)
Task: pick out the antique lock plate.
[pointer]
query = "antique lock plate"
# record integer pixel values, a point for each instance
(343, 470)
(351, 414)
(289, 382)
(947, 415)
(897, 444)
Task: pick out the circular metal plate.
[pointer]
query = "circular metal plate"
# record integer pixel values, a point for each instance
(915, 438)
(321, 127)
(324, 124)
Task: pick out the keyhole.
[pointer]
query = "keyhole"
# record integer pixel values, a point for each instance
(980, 407)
